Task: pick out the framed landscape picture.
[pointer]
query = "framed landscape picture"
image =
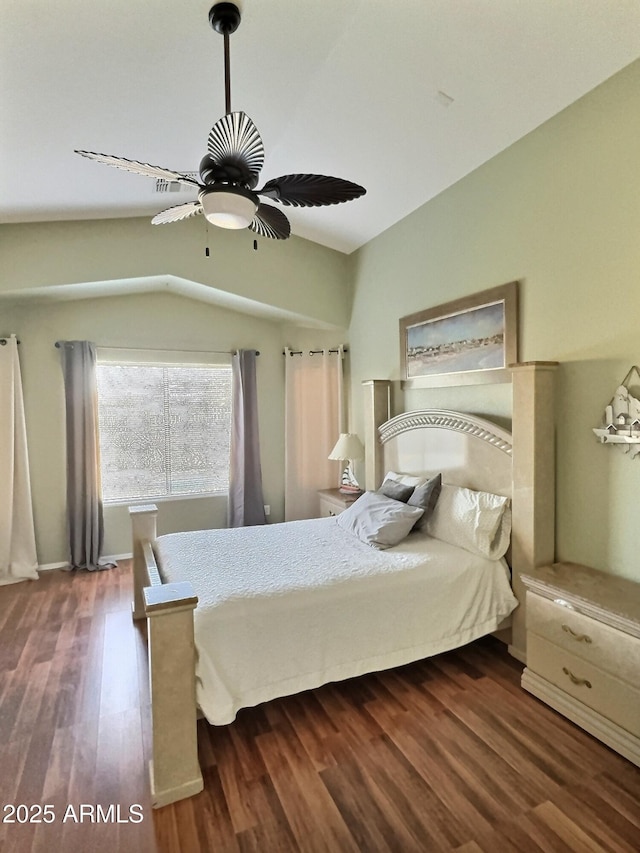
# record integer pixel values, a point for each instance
(465, 342)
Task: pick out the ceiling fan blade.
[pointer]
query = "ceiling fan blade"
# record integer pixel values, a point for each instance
(271, 222)
(139, 168)
(177, 212)
(310, 190)
(234, 141)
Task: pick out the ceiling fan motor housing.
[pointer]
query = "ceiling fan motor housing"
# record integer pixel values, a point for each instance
(229, 169)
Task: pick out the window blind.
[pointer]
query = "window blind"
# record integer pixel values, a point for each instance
(164, 430)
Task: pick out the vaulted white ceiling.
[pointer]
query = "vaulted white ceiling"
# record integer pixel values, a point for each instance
(404, 97)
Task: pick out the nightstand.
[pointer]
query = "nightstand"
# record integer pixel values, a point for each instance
(583, 650)
(333, 501)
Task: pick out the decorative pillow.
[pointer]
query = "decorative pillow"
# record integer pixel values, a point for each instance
(406, 479)
(426, 497)
(379, 521)
(397, 491)
(476, 521)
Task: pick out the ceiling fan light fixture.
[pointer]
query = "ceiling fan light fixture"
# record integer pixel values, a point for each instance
(229, 207)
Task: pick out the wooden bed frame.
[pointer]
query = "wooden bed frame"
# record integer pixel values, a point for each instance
(469, 451)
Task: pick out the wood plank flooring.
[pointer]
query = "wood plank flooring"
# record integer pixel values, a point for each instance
(446, 754)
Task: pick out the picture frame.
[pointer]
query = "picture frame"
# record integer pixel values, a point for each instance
(468, 341)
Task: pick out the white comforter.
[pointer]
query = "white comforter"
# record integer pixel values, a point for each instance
(288, 607)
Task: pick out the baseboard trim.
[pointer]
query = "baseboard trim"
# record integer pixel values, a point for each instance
(49, 567)
(107, 558)
(113, 558)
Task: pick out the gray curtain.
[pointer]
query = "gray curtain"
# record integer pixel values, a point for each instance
(246, 503)
(85, 526)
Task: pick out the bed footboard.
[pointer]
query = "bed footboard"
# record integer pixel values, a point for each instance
(174, 769)
(143, 529)
(168, 608)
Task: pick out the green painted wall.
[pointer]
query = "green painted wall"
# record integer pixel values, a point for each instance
(296, 275)
(292, 277)
(157, 321)
(559, 211)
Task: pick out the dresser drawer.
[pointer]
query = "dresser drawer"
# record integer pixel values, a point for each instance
(599, 690)
(599, 644)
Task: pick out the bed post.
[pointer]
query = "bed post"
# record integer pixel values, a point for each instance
(143, 528)
(533, 500)
(377, 410)
(174, 769)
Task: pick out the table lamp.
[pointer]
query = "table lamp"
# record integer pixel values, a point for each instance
(348, 448)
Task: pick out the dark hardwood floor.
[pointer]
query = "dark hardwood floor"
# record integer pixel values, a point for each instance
(445, 754)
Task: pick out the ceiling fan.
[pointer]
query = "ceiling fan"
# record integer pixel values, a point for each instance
(230, 170)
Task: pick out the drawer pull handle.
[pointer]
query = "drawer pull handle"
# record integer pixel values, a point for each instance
(580, 638)
(575, 679)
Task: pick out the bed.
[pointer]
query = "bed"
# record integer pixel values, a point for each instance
(340, 608)
(333, 609)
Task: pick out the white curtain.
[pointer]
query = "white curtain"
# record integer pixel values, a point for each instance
(314, 416)
(18, 558)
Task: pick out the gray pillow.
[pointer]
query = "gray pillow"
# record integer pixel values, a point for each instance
(379, 521)
(397, 491)
(426, 496)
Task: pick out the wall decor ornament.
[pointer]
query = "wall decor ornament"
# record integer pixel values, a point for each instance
(469, 341)
(621, 418)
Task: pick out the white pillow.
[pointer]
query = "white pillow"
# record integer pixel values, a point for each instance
(476, 521)
(405, 479)
(379, 521)
(502, 539)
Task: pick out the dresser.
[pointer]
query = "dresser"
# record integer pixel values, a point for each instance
(583, 650)
(333, 501)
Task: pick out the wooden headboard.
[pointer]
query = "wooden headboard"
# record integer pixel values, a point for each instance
(466, 450)
(473, 452)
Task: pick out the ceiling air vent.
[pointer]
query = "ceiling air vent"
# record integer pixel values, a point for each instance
(164, 186)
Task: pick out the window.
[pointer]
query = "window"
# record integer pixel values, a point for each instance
(164, 429)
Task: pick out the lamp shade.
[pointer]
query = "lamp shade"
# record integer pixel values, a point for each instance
(348, 446)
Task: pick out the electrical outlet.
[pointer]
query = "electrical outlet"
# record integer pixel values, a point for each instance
(267, 509)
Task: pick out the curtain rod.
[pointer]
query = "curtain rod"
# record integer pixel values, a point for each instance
(5, 341)
(156, 349)
(313, 351)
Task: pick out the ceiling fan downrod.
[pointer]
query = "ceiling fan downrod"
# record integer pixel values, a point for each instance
(225, 19)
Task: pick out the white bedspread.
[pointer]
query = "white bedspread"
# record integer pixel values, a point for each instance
(288, 607)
